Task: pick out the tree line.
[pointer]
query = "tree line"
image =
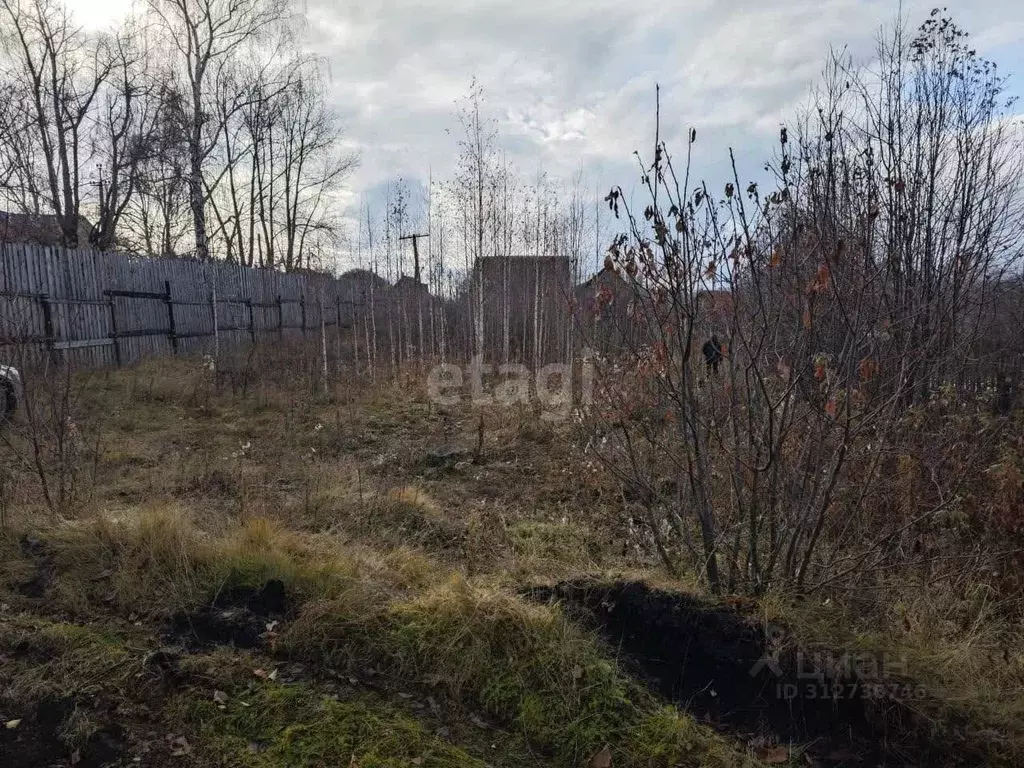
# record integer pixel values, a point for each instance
(488, 282)
(195, 128)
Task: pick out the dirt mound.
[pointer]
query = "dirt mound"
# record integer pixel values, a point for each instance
(724, 668)
(238, 616)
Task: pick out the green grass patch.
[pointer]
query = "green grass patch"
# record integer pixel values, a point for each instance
(562, 542)
(293, 725)
(522, 663)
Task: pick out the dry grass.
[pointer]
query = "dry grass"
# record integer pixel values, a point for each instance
(523, 664)
(411, 569)
(969, 670)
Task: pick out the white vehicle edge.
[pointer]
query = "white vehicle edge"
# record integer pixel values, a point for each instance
(10, 392)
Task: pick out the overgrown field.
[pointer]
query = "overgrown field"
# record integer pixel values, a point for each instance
(245, 572)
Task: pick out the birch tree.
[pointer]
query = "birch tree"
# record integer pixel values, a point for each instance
(201, 37)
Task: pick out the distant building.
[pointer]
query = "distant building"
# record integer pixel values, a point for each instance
(40, 229)
(408, 287)
(527, 299)
(606, 311)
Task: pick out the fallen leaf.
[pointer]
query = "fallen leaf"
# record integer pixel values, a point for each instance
(602, 759)
(220, 697)
(773, 755)
(12, 724)
(353, 763)
(417, 761)
(180, 746)
(272, 675)
(260, 674)
(76, 757)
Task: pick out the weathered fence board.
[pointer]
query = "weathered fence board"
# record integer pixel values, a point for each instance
(99, 308)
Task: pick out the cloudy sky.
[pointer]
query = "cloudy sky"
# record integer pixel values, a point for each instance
(570, 83)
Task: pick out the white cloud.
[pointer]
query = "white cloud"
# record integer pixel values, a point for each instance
(570, 83)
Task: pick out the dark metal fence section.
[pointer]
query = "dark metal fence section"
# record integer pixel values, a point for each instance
(99, 308)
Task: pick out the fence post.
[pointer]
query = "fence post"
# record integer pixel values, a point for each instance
(280, 317)
(172, 331)
(252, 323)
(216, 330)
(302, 304)
(113, 329)
(44, 302)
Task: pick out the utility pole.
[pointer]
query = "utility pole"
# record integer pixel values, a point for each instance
(416, 275)
(415, 254)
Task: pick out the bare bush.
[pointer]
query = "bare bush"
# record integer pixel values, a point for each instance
(863, 286)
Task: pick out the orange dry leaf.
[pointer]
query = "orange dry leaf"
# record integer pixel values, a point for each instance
(831, 408)
(868, 369)
(821, 280)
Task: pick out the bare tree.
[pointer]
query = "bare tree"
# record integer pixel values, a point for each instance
(55, 73)
(476, 168)
(202, 37)
(126, 132)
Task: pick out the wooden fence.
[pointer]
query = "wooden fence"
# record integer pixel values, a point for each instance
(98, 308)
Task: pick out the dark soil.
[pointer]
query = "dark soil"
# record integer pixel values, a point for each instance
(36, 585)
(36, 742)
(726, 669)
(238, 617)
